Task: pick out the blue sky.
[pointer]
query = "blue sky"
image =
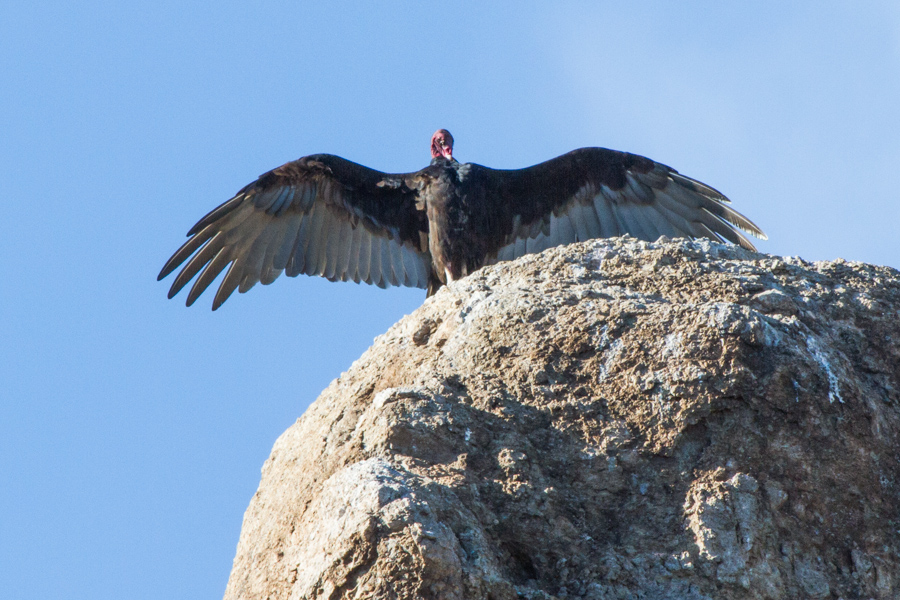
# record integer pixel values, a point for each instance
(132, 429)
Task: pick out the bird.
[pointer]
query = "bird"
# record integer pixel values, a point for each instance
(325, 215)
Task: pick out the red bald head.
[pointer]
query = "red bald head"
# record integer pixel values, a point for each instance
(442, 144)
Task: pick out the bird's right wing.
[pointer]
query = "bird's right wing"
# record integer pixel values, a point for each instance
(319, 215)
(595, 192)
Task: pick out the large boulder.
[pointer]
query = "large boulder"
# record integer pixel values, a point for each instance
(611, 419)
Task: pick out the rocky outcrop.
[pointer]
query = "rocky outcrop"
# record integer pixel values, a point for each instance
(613, 419)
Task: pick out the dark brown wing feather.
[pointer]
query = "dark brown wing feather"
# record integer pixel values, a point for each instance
(319, 215)
(595, 192)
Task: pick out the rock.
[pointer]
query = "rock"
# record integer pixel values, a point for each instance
(612, 419)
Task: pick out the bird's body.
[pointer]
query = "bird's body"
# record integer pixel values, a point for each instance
(324, 215)
(458, 224)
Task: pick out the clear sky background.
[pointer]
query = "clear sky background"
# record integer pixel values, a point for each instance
(133, 429)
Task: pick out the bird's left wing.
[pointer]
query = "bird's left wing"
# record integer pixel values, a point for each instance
(596, 192)
(319, 215)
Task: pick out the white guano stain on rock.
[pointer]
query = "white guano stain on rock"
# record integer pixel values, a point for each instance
(834, 388)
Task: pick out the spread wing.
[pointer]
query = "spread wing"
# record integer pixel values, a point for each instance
(595, 192)
(319, 215)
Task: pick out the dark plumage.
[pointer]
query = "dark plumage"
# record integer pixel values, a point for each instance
(324, 215)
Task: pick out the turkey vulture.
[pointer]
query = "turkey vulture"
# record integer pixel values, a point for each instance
(324, 215)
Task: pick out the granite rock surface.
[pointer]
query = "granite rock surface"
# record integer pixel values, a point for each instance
(611, 419)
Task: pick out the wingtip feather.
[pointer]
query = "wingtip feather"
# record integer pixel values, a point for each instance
(217, 213)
